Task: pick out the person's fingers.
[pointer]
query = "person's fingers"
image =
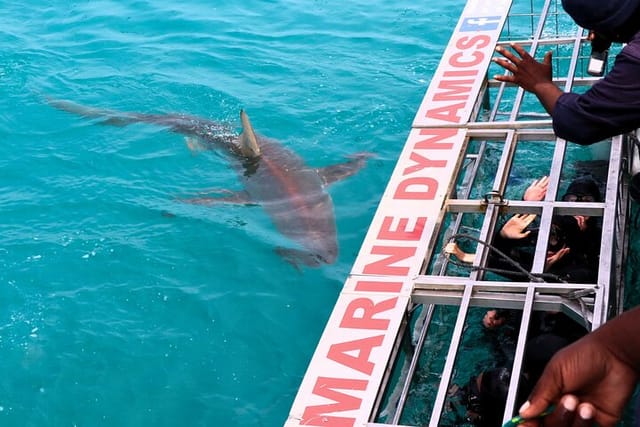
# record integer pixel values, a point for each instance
(546, 391)
(537, 182)
(564, 414)
(584, 415)
(535, 406)
(451, 248)
(507, 65)
(520, 50)
(558, 255)
(507, 78)
(507, 54)
(554, 257)
(547, 58)
(522, 220)
(582, 222)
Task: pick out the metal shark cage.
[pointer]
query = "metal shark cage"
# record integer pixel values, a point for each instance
(399, 335)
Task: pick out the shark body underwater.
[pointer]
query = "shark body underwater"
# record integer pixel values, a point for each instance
(292, 193)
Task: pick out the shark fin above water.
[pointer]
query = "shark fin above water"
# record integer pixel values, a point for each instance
(248, 139)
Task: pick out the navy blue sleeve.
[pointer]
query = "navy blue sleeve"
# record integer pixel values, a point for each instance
(610, 107)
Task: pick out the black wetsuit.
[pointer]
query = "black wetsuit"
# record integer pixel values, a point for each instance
(580, 265)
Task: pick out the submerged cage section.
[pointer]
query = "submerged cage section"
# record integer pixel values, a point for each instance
(426, 373)
(405, 343)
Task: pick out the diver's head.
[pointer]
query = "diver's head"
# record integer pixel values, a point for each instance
(495, 318)
(495, 384)
(616, 20)
(583, 189)
(487, 396)
(564, 231)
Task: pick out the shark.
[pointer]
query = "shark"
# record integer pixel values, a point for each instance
(292, 193)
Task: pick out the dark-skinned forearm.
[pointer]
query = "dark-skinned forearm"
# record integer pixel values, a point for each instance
(548, 94)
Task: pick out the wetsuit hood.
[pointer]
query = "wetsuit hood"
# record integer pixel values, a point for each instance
(617, 20)
(584, 186)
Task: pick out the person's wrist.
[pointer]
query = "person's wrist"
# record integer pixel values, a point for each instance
(547, 93)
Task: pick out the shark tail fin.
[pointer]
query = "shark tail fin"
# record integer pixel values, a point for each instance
(248, 139)
(71, 107)
(111, 117)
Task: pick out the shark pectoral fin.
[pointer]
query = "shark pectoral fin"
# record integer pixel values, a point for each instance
(334, 173)
(235, 197)
(194, 144)
(248, 139)
(296, 257)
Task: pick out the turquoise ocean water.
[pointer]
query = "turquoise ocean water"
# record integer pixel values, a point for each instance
(121, 305)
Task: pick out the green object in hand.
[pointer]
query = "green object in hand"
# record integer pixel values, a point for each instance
(519, 420)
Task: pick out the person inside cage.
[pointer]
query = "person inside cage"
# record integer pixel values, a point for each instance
(574, 240)
(573, 250)
(573, 246)
(484, 396)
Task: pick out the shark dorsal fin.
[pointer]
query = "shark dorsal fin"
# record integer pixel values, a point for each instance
(248, 139)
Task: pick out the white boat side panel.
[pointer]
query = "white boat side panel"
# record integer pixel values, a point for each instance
(397, 240)
(457, 81)
(346, 370)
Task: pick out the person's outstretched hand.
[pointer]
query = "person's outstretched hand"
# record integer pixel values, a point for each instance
(452, 248)
(515, 226)
(531, 75)
(553, 257)
(537, 190)
(591, 380)
(526, 72)
(582, 221)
